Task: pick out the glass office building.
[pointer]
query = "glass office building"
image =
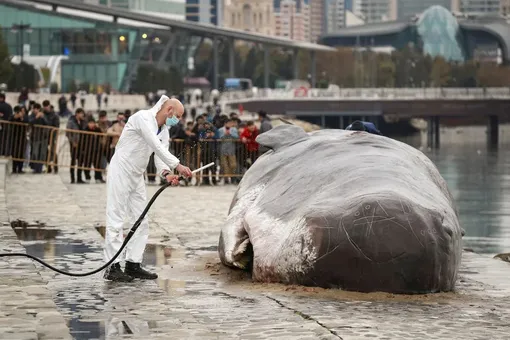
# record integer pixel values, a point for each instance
(440, 34)
(99, 52)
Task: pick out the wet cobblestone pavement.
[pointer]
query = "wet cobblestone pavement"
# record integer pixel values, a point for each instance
(195, 297)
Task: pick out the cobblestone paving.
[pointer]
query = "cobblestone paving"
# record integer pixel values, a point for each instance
(197, 298)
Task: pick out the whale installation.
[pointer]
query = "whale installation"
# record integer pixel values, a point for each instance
(343, 209)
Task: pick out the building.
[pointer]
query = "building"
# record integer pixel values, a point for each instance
(436, 32)
(172, 9)
(477, 7)
(352, 19)
(249, 16)
(292, 19)
(317, 19)
(373, 11)
(406, 9)
(334, 15)
(204, 11)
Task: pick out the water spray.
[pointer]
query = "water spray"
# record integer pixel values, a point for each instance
(126, 240)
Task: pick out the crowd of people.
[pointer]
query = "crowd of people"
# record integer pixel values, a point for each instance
(197, 139)
(28, 139)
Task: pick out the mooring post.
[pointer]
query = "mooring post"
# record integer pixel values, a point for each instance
(493, 132)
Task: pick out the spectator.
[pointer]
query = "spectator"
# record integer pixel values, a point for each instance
(75, 123)
(5, 115)
(62, 106)
(228, 161)
(73, 100)
(208, 151)
(104, 124)
(265, 125)
(248, 137)
(115, 131)
(18, 139)
(52, 119)
(189, 142)
(39, 138)
(90, 151)
(83, 96)
(23, 96)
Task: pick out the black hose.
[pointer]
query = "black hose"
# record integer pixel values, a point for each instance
(126, 240)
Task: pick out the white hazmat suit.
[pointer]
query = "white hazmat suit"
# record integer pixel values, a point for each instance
(126, 193)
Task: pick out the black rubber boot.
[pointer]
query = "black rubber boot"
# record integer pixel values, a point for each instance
(115, 273)
(135, 270)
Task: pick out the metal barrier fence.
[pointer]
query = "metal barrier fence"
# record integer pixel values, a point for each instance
(83, 151)
(370, 94)
(28, 144)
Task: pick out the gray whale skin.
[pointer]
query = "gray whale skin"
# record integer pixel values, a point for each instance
(343, 209)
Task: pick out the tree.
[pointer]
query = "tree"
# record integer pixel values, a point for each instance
(386, 72)
(25, 75)
(492, 75)
(6, 69)
(175, 81)
(464, 74)
(440, 75)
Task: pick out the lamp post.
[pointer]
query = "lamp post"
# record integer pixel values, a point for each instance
(21, 28)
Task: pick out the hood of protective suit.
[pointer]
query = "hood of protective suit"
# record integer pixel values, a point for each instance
(155, 109)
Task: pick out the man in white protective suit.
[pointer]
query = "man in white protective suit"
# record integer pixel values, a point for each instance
(145, 132)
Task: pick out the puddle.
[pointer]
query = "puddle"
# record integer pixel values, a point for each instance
(160, 254)
(33, 232)
(84, 330)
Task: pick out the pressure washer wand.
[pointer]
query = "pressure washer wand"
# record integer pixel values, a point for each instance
(126, 240)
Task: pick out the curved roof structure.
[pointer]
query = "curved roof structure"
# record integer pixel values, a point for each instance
(204, 30)
(498, 29)
(383, 28)
(437, 29)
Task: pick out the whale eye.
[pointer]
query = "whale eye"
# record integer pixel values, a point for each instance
(356, 214)
(367, 207)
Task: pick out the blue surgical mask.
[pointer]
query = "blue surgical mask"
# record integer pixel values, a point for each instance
(172, 121)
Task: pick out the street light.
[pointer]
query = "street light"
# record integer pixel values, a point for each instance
(22, 28)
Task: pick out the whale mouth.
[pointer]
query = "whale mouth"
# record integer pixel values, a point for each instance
(242, 256)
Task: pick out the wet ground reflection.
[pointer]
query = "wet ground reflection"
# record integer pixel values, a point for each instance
(479, 181)
(50, 245)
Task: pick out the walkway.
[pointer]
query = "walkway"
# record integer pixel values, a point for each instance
(195, 296)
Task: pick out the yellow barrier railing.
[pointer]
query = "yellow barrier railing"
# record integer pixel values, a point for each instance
(84, 151)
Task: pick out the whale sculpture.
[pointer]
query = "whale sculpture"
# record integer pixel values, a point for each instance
(343, 209)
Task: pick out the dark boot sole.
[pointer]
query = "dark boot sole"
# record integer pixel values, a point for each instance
(142, 277)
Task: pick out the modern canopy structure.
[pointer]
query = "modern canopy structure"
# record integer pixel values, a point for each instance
(108, 44)
(436, 31)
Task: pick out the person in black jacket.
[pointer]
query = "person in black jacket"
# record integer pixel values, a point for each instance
(39, 136)
(5, 115)
(52, 119)
(18, 139)
(91, 151)
(75, 124)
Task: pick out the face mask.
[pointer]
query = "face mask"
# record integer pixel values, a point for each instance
(172, 121)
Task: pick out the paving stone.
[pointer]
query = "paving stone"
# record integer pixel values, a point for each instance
(192, 301)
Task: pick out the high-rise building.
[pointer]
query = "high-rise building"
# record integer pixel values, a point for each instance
(317, 22)
(334, 15)
(373, 10)
(408, 8)
(204, 11)
(172, 9)
(292, 19)
(249, 15)
(480, 7)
